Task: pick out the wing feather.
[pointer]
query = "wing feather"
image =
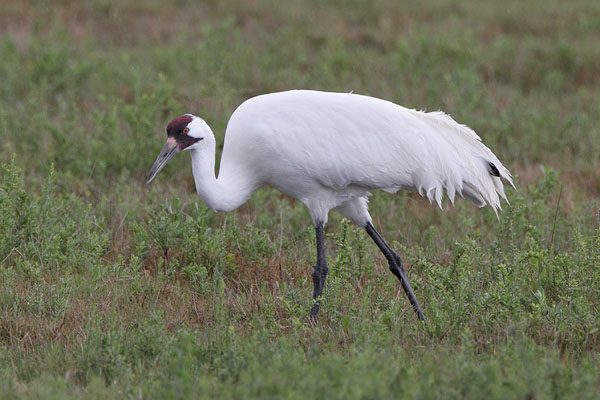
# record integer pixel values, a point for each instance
(346, 141)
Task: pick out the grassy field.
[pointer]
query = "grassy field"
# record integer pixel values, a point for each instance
(112, 289)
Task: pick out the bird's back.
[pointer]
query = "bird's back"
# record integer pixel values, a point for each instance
(345, 143)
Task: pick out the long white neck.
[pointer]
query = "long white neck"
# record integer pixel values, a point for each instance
(225, 193)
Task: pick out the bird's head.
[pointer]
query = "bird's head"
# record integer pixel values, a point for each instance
(183, 133)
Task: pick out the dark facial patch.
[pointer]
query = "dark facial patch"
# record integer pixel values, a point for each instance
(178, 124)
(175, 130)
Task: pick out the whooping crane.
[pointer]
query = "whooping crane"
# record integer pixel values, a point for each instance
(328, 150)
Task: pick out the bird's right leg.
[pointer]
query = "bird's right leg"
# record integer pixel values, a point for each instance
(396, 267)
(320, 272)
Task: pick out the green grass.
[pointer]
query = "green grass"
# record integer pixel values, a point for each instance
(112, 289)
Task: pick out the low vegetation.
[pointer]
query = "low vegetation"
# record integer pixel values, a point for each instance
(112, 289)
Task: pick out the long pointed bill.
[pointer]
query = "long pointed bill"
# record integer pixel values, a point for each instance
(168, 151)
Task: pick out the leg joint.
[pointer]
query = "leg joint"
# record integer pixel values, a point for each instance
(315, 275)
(320, 273)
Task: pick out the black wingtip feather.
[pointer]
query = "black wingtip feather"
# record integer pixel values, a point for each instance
(493, 170)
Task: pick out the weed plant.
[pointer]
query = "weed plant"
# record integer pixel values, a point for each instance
(112, 289)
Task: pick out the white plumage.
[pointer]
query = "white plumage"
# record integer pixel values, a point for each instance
(328, 150)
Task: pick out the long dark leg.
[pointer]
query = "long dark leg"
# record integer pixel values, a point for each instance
(396, 267)
(320, 272)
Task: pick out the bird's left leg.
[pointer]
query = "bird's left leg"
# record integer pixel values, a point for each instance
(320, 272)
(396, 267)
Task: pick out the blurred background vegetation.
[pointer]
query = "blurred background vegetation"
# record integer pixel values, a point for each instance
(109, 288)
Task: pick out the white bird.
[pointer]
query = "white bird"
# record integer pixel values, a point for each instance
(329, 150)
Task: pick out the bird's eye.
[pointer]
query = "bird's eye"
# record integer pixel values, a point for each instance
(186, 130)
